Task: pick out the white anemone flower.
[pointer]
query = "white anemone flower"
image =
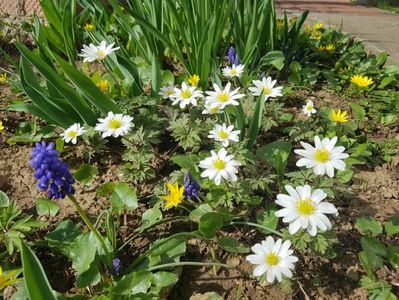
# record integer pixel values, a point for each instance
(233, 71)
(223, 97)
(219, 165)
(72, 132)
(324, 157)
(186, 95)
(208, 110)
(266, 85)
(309, 109)
(273, 258)
(91, 53)
(305, 209)
(167, 91)
(224, 134)
(114, 125)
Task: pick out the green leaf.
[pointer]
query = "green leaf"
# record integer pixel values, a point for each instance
(151, 215)
(201, 210)
(36, 282)
(86, 174)
(209, 223)
(133, 283)
(188, 162)
(373, 245)
(106, 189)
(83, 252)
(345, 176)
(274, 58)
(268, 218)
(4, 200)
(392, 226)
(229, 244)
(162, 280)
(368, 225)
(256, 121)
(358, 112)
(276, 154)
(123, 198)
(90, 277)
(46, 207)
(63, 236)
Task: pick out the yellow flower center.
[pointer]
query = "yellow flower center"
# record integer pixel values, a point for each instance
(272, 259)
(309, 107)
(214, 110)
(219, 164)
(101, 54)
(114, 123)
(233, 72)
(169, 92)
(103, 85)
(223, 134)
(322, 155)
(186, 94)
(223, 97)
(266, 91)
(72, 133)
(305, 207)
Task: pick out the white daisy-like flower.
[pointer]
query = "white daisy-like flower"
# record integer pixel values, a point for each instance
(208, 110)
(224, 97)
(266, 85)
(305, 209)
(233, 71)
(91, 53)
(72, 132)
(224, 134)
(324, 157)
(309, 109)
(186, 95)
(114, 125)
(167, 91)
(273, 258)
(219, 165)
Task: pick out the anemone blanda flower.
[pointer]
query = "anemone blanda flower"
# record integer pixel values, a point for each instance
(91, 53)
(224, 134)
(185, 96)
(167, 91)
(305, 209)
(114, 125)
(208, 110)
(175, 196)
(273, 258)
(324, 157)
(71, 133)
(219, 165)
(266, 85)
(308, 109)
(222, 98)
(233, 71)
(361, 81)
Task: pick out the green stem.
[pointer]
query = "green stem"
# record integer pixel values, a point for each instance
(91, 227)
(255, 225)
(227, 118)
(187, 263)
(140, 230)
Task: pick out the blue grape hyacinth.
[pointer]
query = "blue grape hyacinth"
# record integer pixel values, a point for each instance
(232, 57)
(191, 187)
(116, 266)
(52, 173)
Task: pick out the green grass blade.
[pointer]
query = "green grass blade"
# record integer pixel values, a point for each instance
(256, 121)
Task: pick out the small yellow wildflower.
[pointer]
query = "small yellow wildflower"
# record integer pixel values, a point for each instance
(3, 77)
(339, 117)
(193, 80)
(361, 81)
(293, 20)
(318, 26)
(308, 28)
(321, 47)
(6, 280)
(1, 126)
(329, 48)
(103, 85)
(280, 23)
(175, 196)
(317, 35)
(89, 26)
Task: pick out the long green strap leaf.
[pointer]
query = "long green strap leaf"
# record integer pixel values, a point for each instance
(256, 121)
(36, 282)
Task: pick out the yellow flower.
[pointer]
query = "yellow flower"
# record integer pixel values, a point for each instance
(361, 81)
(103, 85)
(89, 26)
(318, 26)
(317, 35)
(293, 20)
(3, 77)
(1, 126)
(308, 28)
(329, 48)
(193, 80)
(280, 23)
(6, 280)
(175, 196)
(339, 117)
(321, 47)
